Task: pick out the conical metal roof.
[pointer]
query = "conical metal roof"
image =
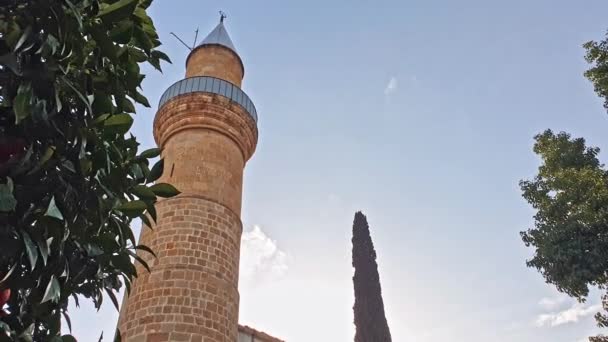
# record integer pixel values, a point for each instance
(219, 36)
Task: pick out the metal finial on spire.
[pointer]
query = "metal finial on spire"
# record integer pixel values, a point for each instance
(219, 36)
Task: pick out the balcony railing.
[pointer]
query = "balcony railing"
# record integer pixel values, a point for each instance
(212, 85)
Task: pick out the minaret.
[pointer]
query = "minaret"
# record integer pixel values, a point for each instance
(206, 127)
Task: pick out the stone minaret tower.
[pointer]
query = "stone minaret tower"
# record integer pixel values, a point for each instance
(206, 127)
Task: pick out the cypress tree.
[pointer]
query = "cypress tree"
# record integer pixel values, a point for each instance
(370, 320)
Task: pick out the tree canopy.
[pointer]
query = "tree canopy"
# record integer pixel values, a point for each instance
(71, 177)
(570, 233)
(597, 55)
(570, 196)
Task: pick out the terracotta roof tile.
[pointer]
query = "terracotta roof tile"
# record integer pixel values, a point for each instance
(259, 334)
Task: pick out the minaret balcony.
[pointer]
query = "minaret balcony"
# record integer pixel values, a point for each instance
(213, 85)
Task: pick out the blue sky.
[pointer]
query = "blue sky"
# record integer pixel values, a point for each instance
(421, 114)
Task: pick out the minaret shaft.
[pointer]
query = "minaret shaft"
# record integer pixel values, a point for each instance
(207, 130)
(216, 61)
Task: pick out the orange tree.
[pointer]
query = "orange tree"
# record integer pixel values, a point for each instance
(71, 177)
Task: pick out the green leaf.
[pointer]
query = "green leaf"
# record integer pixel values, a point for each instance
(143, 192)
(5, 329)
(24, 36)
(7, 200)
(53, 211)
(113, 298)
(160, 55)
(124, 264)
(139, 98)
(101, 118)
(85, 166)
(39, 111)
(68, 321)
(137, 172)
(125, 230)
(117, 11)
(144, 170)
(54, 323)
(164, 190)
(137, 55)
(127, 283)
(151, 209)
(13, 33)
(26, 335)
(142, 39)
(43, 247)
(68, 338)
(117, 337)
(22, 104)
(48, 153)
(150, 153)
(146, 248)
(122, 32)
(118, 124)
(53, 43)
(133, 208)
(141, 14)
(58, 104)
(140, 260)
(157, 171)
(148, 27)
(125, 105)
(93, 250)
(155, 63)
(103, 41)
(8, 274)
(83, 98)
(75, 13)
(53, 291)
(102, 103)
(30, 249)
(145, 220)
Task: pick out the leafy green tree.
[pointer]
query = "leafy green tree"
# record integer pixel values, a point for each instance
(570, 195)
(570, 233)
(602, 321)
(370, 320)
(71, 179)
(597, 55)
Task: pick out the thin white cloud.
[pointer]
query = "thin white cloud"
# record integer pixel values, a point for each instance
(391, 86)
(553, 303)
(573, 314)
(261, 257)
